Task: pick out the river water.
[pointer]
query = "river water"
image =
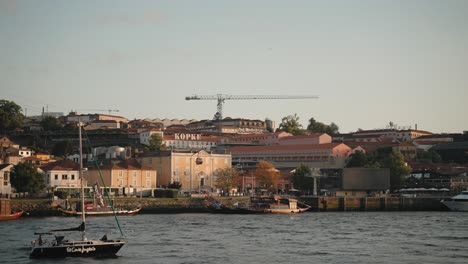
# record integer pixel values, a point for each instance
(325, 237)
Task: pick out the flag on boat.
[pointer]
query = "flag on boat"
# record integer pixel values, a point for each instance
(97, 194)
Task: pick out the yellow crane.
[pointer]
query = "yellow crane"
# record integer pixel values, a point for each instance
(222, 97)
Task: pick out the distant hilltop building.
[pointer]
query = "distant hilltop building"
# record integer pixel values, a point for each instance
(229, 126)
(170, 122)
(379, 134)
(74, 117)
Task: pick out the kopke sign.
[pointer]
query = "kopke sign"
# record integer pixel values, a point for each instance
(180, 136)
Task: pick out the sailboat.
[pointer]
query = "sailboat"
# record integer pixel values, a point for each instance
(59, 247)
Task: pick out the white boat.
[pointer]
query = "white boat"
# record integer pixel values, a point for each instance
(277, 205)
(458, 202)
(57, 246)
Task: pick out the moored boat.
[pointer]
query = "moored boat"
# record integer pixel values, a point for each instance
(277, 205)
(458, 202)
(11, 216)
(261, 205)
(6, 212)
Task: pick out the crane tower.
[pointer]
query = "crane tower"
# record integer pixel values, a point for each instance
(222, 97)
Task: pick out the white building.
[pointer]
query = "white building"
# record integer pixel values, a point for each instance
(64, 173)
(5, 185)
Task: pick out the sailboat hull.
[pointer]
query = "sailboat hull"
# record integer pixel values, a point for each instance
(80, 249)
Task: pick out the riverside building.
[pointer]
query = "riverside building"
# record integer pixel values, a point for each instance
(195, 170)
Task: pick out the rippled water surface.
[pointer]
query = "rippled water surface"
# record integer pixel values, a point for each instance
(360, 237)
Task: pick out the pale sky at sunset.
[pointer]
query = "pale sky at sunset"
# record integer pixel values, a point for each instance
(370, 62)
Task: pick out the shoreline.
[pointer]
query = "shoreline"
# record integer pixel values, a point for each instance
(44, 207)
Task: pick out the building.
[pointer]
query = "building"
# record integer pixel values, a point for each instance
(128, 177)
(329, 155)
(63, 173)
(190, 141)
(5, 184)
(194, 170)
(103, 124)
(401, 135)
(229, 126)
(145, 136)
(257, 139)
(73, 117)
(316, 138)
(361, 182)
(5, 142)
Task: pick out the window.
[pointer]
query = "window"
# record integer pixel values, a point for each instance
(56, 176)
(120, 174)
(73, 176)
(64, 177)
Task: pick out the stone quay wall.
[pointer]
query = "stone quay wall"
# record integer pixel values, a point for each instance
(45, 207)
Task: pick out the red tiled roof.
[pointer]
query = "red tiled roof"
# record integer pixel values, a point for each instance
(61, 165)
(315, 135)
(326, 146)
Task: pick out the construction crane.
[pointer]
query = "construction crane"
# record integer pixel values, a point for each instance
(222, 97)
(97, 110)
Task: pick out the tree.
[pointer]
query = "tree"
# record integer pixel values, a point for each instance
(227, 179)
(299, 178)
(50, 123)
(319, 127)
(62, 148)
(333, 129)
(267, 176)
(269, 123)
(395, 161)
(391, 125)
(291, 125)
(10, 116)
(155, 142)
(357, 159)
(26, 178)
(430, 156)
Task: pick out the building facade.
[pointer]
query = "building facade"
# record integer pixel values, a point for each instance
(194, 170)
(5, 185)
(63, 173)
(330, 155)
(128, 177)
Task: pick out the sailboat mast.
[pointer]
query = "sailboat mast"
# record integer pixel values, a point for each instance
(83, 218)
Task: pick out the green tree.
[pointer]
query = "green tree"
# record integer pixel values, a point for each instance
(155, 143)
(319, 127)
(50, 124)
(395, 161)
(11, 116)
(300, 180)
(430, 156)
(268, 123)
(26, 178)
(267, 176)
(333, 129)
(62, 148)
(227, 179)
(357, 159)
(291, 125)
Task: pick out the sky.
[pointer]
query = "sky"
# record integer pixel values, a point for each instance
(369, 61)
